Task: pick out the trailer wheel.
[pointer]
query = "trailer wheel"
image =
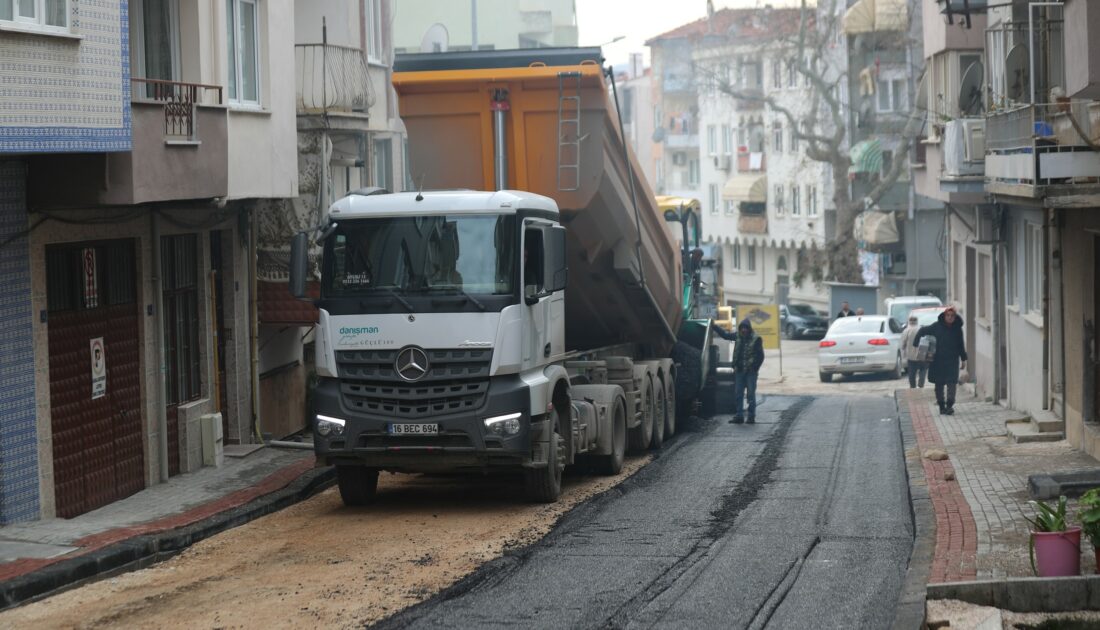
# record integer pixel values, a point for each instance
(612, 463)
(358, 485)
(689, 377)
(641, 436)
(670, 406)
(658, 414)
(543, 485)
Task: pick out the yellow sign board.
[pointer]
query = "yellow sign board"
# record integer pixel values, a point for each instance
(765, 321)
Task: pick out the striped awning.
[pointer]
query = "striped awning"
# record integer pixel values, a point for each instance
(868, 16)
(866, 157)
(750, 188)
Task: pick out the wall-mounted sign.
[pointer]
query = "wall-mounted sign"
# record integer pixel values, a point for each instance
(91, 290)
(99, 368)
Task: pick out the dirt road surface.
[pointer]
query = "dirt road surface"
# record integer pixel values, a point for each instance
(319, 564)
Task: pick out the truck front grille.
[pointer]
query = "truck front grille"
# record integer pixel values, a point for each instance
(457, 381)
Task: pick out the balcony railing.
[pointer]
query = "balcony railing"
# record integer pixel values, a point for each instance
(751, 161)
(1014, 71)
(332, 78)
(180, 100)
(1043, 145)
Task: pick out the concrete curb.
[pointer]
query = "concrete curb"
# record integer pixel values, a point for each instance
(147, 549)
(911, 604)
(1024, 595)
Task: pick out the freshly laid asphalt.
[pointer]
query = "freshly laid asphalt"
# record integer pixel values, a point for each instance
(799, 521)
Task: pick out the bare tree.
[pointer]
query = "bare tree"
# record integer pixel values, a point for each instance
(824, 129)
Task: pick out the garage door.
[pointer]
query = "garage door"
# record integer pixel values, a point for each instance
(95, 389)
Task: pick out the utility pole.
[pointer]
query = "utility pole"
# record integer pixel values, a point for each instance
(473, 24)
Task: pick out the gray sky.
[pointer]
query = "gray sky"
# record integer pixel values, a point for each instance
(600, 21)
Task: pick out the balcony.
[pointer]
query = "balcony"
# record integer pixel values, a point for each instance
(1043, 150)
(751, 161)
(331, 79)
(180, 152)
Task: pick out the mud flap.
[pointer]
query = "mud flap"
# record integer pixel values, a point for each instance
(540, 444)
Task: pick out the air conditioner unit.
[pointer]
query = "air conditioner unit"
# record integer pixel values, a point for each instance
(722, 162)
(974, 139)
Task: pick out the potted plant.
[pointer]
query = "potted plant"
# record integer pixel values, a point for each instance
(1055, 548)
(1089, 506)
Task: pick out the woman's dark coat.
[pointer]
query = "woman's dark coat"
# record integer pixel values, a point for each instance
(950, 348)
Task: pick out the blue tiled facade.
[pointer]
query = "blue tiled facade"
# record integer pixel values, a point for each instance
(19, 500)
(64, 95)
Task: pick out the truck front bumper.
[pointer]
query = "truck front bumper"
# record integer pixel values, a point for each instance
(462, 441)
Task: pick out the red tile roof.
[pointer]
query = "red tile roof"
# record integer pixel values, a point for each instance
(278, 306)
(740, 23)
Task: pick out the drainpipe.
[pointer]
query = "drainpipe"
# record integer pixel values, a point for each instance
(1046, 308)
(499, 106)
(158, 348)
(254, 324)
(1059, 230)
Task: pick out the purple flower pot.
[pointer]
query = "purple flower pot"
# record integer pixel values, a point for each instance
(1058, 554)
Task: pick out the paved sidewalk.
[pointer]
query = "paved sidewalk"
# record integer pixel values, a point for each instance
(183, 501)
(979, 494)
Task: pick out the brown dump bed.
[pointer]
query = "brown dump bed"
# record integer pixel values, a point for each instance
(621, 289)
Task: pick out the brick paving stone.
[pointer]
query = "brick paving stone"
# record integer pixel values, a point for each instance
(981, 532)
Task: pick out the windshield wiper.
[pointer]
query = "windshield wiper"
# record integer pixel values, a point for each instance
(393, 294)
(460, 292)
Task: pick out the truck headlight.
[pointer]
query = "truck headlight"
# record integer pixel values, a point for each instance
(504, 426)
(327, 425)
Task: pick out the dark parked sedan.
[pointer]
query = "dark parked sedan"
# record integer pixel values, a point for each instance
(801, 320)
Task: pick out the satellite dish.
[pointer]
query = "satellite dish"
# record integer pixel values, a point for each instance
(1017, 74)
(435, 39)
(970, 90)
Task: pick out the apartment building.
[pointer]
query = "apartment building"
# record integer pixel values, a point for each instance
(434, 26)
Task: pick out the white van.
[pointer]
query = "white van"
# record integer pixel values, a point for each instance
(899, 307)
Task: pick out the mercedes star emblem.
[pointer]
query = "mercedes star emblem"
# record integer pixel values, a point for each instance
(411, 363)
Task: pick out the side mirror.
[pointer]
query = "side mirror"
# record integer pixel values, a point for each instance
(557, 270)
(299, 264)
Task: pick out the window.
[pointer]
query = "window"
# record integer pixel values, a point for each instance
(1011, 289)
(796, 199)
(1033, 268)
(534, 261)
(712, 198)
(811, 201)
(730, 207)
(750, 258)
(794, 139)
(693, 172)
(887, 163)
(383, 163)
(155, 25)
(778, 199)
(777, 137)
(712, 140)
(736, 256)
(792, 74)
(374, 30)
(742, 136)
(752, 75)
(777, 74)
(727, 139)
(891, 96)
(43, 15)
(180, 281)
(243, 70)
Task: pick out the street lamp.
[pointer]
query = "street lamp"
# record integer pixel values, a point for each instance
(608, 43)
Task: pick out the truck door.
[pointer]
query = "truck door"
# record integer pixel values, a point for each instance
(536, 349)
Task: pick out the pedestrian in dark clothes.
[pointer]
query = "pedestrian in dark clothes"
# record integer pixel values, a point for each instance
(748, 356)
(845, 311)
(950, 350)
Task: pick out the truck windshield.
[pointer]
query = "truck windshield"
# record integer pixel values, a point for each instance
(421, 255)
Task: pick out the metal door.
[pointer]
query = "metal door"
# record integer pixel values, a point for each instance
(97, 434)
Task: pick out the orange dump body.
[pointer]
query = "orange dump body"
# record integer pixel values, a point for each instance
(621, 288)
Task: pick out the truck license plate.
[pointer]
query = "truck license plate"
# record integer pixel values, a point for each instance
(850, 360)
(414, 429)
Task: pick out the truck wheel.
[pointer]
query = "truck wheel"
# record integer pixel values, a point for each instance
(641, 436)
(358, 485)
(670, 407)
(612, 463)
(689, 375)
(825, 377)
(658, 414)
(543, 485)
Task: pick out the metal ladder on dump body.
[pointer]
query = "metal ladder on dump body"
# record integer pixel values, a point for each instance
(569, 131)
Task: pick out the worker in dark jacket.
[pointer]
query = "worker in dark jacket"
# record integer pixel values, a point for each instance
(748, 356)
(950, 349)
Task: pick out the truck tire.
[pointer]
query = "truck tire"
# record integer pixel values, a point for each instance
(670, 406)
(612, 463)
(658, 413)
(640, 437)
(543, 485)
(358, 485)
(689, 377)
(826, 377)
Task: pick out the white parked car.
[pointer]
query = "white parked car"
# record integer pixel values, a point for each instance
(871, 343)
